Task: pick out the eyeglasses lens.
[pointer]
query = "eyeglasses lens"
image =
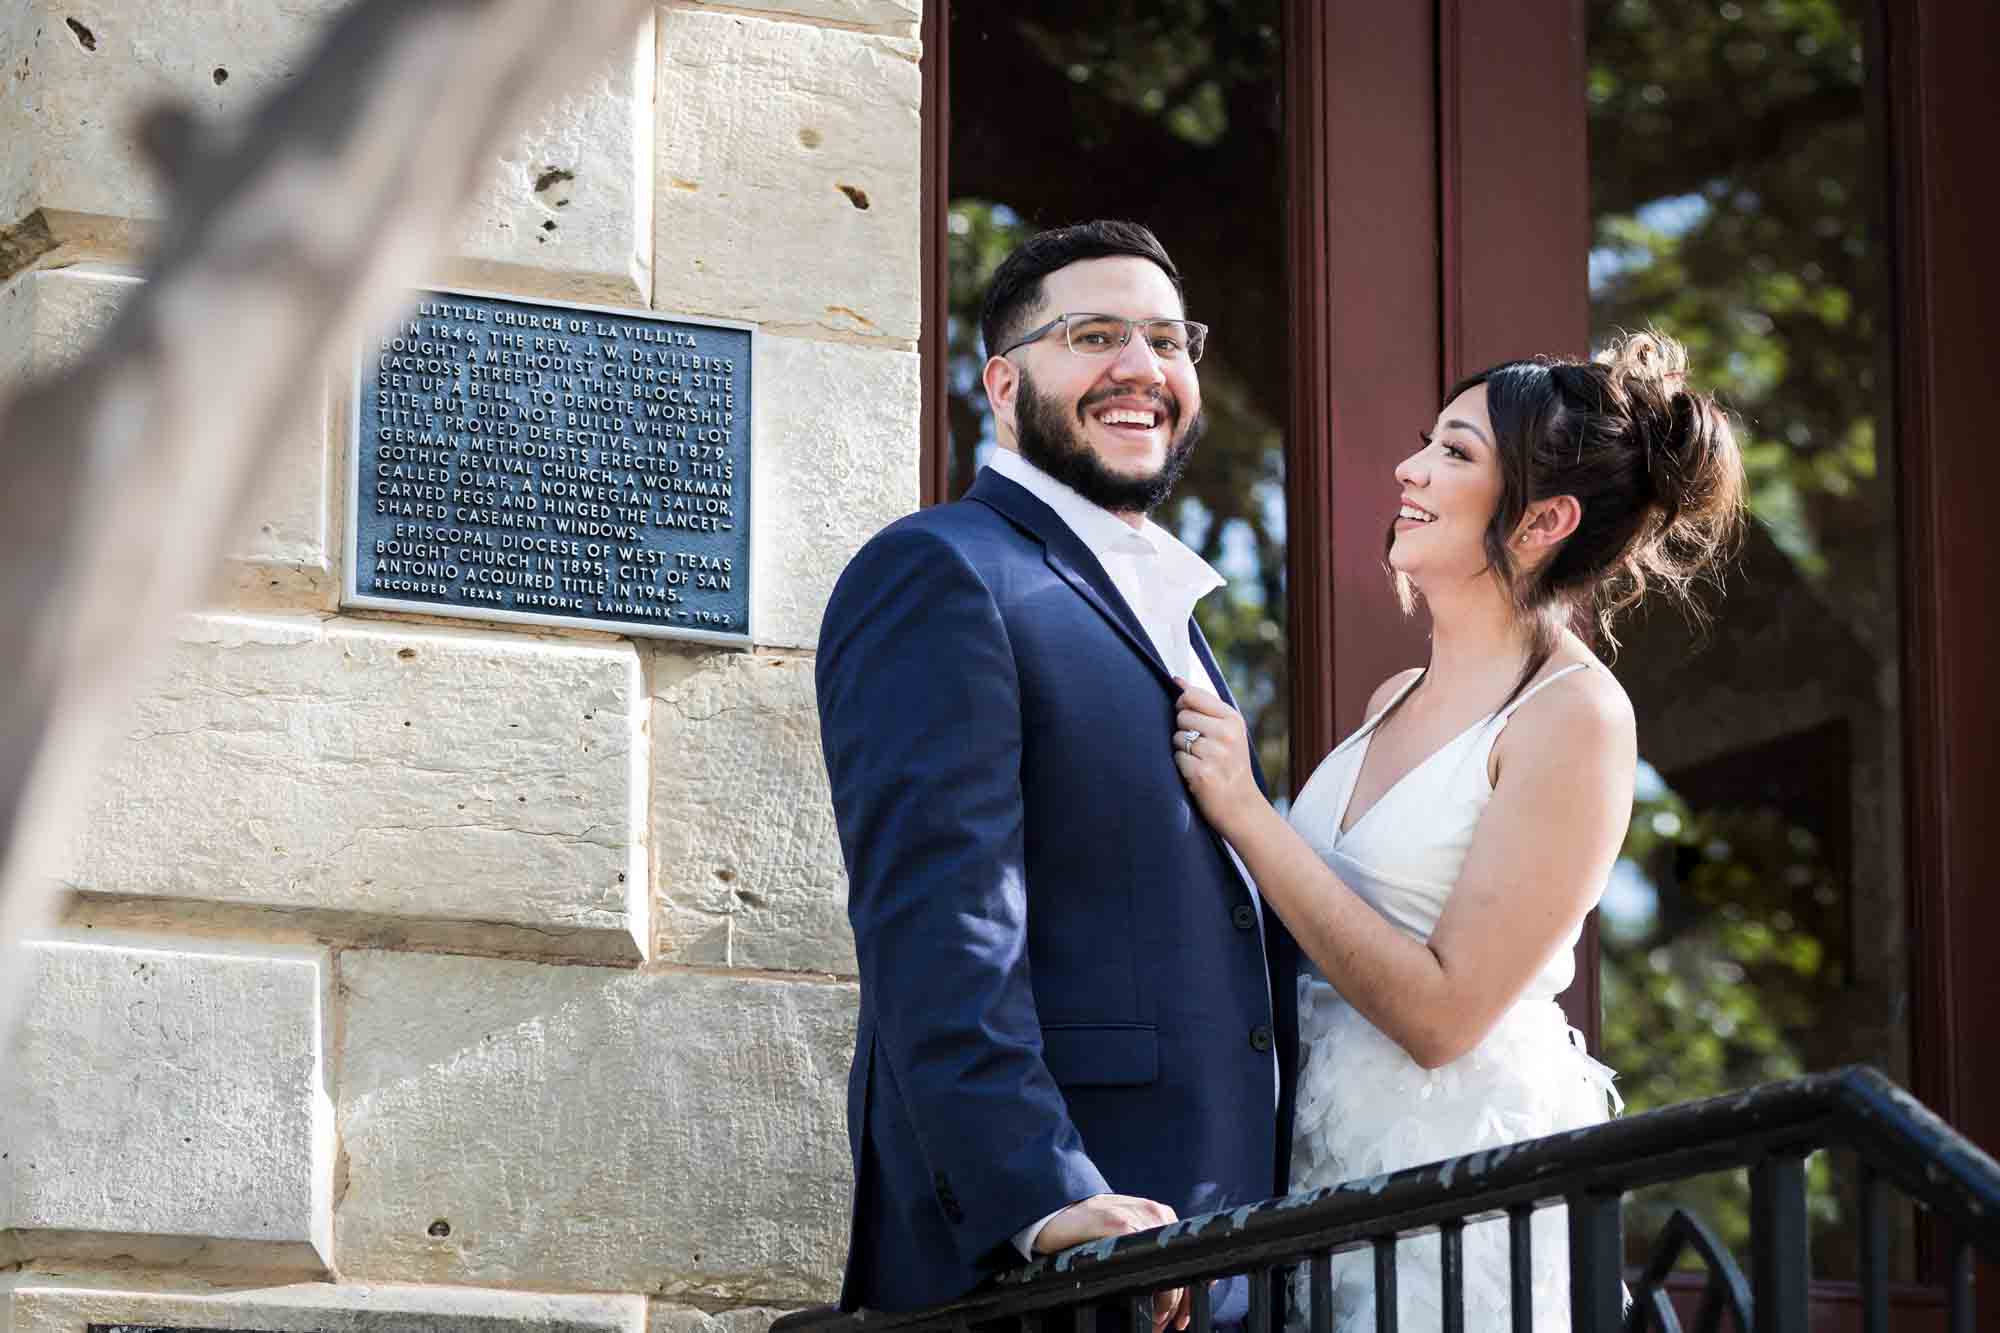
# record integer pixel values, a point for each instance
(1170, 339)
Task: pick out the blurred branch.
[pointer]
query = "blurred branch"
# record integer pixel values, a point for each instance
(284, 242)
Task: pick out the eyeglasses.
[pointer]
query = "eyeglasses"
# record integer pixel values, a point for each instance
(1106, 335)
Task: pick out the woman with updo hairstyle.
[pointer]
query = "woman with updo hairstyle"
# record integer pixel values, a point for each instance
(1437, 867)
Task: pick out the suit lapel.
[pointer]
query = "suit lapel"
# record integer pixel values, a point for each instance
(1201, 650)
(1207, 657)
(1075, 565)
(1068, 557)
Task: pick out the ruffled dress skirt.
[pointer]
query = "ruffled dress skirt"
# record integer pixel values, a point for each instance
(1366, 1108)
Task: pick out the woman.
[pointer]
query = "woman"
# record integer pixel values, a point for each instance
(1438, 866)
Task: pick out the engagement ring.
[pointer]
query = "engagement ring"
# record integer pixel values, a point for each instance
(1188, 738)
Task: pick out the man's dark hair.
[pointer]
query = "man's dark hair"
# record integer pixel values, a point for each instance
(1016, 288)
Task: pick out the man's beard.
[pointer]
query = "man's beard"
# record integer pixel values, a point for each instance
(1054, 443)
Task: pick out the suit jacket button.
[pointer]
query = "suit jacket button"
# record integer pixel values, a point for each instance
(1245, 917)
(1260, 1038)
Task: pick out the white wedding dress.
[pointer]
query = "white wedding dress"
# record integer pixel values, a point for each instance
(1365, 1107)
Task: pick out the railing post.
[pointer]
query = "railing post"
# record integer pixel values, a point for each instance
(1320, 1317)
(1260, 1320)
(1201, 1308)
(1596, 1263)
(1780, 1264)
(1387, 1301)
(1451, 1257)
(1960, 1286)
(1873, 1194)
(1521, 1266)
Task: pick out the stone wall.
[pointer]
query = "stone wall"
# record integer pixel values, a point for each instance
(424, 973)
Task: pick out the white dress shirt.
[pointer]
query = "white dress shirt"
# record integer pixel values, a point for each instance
(1161, 579)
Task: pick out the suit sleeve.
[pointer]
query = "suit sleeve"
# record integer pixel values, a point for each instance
(920, 721)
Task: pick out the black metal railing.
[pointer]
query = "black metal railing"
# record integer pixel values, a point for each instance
(1898, 1146)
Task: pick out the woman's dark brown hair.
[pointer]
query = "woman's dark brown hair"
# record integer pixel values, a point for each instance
(1653, 466)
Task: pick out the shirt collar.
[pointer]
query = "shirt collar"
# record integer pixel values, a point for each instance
(1104, 532)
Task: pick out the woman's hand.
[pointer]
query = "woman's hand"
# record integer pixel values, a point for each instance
(1215, 762)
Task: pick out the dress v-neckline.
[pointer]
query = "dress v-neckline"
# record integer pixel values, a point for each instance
(1341, 827)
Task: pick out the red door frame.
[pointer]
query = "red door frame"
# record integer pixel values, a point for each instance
(1512, 277)
(1362, 146)
(933, 344)
(1943, 66)
(1946, 66)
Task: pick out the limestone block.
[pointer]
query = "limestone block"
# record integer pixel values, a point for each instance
(572, 198)
(47, 1304)
(788, 175)
(64, 310)
(19, 27)
(838, 440)
(686, 1319)
(386, 783)
(17, 329)
(746, 854)
(898, 16)
(672, 1132)
(167, 1103)
(76, 75)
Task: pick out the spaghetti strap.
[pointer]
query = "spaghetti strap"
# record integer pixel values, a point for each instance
(1374, 719)
(1537, 688)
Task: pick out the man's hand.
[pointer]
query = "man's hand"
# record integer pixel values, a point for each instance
(1104, 1215)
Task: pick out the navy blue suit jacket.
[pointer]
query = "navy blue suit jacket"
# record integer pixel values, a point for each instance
(1063, 987)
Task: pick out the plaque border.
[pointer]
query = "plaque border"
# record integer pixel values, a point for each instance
(352, 596)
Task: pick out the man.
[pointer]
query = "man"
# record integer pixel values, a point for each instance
(1069, 1027)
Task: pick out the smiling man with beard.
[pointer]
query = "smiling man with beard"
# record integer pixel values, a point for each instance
(1069, 1027)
